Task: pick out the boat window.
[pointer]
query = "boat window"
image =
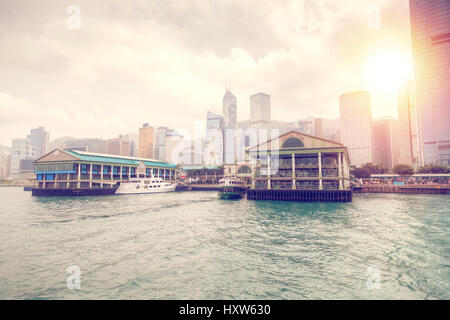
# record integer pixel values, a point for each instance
(137, 187)
(146, 187)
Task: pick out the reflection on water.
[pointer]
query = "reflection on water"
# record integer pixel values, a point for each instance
(193, 245)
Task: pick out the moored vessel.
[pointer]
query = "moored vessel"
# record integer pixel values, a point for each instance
(231, 188)
(145, 185)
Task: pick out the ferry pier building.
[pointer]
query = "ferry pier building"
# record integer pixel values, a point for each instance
(300, 167)
(80, 173)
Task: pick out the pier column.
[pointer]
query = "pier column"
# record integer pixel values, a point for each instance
(101, 173)
(90, 176)
(340, 170)
(120, 173)
(78, 175)
(320, 170)
(269, 163)
(253, 172)
(293, 171)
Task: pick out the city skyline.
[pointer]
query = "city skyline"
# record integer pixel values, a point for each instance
(87, 81)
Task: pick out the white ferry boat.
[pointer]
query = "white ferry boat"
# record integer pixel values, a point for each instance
(145, 185)
(231, 188)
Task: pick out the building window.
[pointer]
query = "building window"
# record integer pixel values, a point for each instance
(293, 143)
(244, 170)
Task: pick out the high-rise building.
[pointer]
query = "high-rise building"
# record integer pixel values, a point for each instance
(133, 139)
(311, 126)
(260, 114)
(331, 129)
(161, 133)
(39, 138)
(356, 126)
(318, 127)
(7, 166)
(213, 147)
(119, 146)
(22, 154)
(229, 110)
(146, 141)
(385, 142)
(5, 158)
(229, 104)
(409, 147)
(173, 147)
(193, 152)
(430, 30)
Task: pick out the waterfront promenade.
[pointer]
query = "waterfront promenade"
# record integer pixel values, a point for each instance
(407, 189)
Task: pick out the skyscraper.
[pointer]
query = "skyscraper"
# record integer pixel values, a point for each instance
(229, 132)
(385, 142)
(22, 156)
(311, 126)
(161, 133)
(146, 141)
(39, 138)
(173, 147)
(229, 110)
(260, 111)
(430, 29)
(408, 127)
(356, 126)
(119, 146)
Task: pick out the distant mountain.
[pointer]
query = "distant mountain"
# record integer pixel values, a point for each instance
(59, 143)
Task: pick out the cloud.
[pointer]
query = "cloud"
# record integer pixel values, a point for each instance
(165, 62)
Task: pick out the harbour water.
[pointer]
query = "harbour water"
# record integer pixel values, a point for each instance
(192, 245)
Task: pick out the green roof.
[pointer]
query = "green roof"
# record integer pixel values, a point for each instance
(187, 168)
(113, 159)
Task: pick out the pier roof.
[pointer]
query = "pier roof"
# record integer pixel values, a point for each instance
(76, 155)
(297, 142)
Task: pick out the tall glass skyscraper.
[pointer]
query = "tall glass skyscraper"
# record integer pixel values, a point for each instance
(229, 121)
(356, 126)
(39, 138)
(409, 147)
(430, 28)
(229, 110)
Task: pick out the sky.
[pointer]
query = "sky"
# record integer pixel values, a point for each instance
(97, 69)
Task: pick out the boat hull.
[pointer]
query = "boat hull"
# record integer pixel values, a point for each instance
(230, 195)
(144, 191)
(231, 192)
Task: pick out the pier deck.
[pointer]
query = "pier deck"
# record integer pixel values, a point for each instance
(407, 189)
(61, 192)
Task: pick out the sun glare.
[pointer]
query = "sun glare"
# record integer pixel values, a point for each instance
(387, 71)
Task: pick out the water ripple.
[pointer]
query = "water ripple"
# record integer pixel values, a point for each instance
(194, 246)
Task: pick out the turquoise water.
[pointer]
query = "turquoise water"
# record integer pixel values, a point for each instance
(192, 245)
